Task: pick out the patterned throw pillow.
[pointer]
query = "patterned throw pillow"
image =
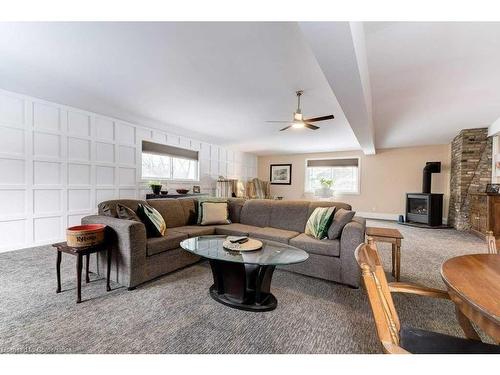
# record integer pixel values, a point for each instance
(123, 212)
(152, 219)
(214, 213)
(340, 220)
(319, 222)
(107, 209)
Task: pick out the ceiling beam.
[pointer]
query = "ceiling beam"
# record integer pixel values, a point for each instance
(339, 48)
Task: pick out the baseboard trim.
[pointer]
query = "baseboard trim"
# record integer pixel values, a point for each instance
(378, 215)
(385, 216)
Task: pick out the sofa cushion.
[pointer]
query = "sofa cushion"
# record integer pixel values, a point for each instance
(256, 212)
(337, 205)
(235, 206)
(171, 241)
(340, 220)
(202, 200)
(190, 207)
(273, 234)
(171, 210)
(110, 206)
(195, 230)
(125, 213)
(312, 245)
(213, 213)
(289, 215)
(234, 229)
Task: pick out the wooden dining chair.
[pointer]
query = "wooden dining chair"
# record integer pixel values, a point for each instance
(400, 339)
(492, 243)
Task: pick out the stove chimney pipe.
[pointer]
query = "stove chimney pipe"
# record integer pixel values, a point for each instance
(430, 168)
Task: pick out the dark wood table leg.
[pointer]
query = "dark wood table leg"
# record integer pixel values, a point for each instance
(108, 256)
(87, 261)
(79, 278)
(58, 271)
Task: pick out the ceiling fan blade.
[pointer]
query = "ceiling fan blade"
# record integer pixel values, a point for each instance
(286, 127)
(322, 118)
(311, 126)
(279, 122)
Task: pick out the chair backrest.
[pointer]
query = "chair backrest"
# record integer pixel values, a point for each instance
(492, 243)
(379, 295)
(258, 189)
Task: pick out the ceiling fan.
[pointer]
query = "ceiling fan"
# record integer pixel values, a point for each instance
(298, 119)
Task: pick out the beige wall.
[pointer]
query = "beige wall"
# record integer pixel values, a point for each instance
(385, 177)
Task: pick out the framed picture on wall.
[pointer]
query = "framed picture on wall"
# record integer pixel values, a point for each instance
(280, 174)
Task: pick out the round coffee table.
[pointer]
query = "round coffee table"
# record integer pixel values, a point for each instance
(242, 280)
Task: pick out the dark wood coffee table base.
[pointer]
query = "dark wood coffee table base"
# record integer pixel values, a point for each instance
(243, 286)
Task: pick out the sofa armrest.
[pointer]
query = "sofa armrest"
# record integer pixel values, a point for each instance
(129, 241)
(352, 236)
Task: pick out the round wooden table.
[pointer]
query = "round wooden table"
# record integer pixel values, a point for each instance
(473, 283)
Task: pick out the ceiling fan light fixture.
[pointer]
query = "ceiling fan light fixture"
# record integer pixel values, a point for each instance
(299, 122)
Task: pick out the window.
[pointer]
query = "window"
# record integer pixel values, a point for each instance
(343, 172)
(161, 162)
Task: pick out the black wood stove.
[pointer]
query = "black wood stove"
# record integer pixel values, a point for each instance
(426, 207)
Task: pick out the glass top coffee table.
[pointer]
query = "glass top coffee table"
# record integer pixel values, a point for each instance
(242, 280)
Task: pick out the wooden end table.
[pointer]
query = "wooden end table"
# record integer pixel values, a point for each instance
(392, 236)
(79, 252)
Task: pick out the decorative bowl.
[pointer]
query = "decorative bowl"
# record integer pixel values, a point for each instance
(182, 191)
(164, 192)
(85, 235)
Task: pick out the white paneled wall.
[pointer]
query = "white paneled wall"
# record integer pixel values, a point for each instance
(57, 163)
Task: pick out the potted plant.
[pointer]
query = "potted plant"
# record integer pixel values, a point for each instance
(155, 186)
(326, 190)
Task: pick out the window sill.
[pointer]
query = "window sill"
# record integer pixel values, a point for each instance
(146, 181)
(335, 193)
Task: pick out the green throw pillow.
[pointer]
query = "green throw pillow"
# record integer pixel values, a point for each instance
(152, 219)
(319, 222)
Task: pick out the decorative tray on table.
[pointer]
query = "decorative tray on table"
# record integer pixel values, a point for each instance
(250, 245)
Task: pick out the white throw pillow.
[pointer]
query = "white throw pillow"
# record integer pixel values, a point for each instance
(214, 213)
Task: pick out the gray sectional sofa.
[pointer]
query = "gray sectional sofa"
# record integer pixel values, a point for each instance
(137, 259)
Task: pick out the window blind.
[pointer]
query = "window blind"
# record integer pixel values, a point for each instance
(156, 148)
(351, 162)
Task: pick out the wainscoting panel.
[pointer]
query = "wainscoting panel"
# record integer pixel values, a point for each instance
(57, 163)
(12, 141)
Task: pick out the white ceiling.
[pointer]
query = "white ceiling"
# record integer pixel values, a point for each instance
(429, 80)
(220, 81)
(216, 81)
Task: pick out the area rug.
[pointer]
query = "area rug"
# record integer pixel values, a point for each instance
(175, 314)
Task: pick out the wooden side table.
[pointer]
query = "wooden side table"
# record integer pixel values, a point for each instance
(392, 236)
(79, 252)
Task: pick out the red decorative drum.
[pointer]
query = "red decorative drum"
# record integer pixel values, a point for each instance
(85, 235)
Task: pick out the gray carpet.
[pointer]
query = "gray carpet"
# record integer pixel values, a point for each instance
(175, 314)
